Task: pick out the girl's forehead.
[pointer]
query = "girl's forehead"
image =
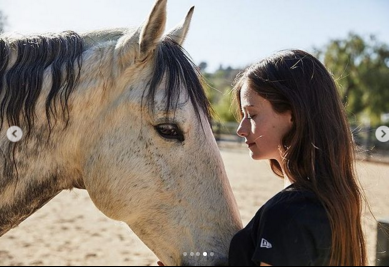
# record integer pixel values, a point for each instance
(250, 98)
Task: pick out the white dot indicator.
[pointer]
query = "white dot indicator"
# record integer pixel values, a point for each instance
(192, 254)
(205, 254)
(185, 254)
(198, 254)
(211, 254)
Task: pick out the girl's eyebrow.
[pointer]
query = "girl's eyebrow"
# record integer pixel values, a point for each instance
(246, 107)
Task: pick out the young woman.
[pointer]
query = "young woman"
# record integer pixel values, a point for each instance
(292, 115)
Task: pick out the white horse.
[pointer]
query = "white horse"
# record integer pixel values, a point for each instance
(122, 114)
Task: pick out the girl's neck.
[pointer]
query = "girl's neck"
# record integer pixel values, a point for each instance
(287, 182)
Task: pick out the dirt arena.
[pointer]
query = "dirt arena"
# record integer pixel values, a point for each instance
(70, 231)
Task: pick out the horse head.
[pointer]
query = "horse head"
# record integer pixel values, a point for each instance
(139, 141)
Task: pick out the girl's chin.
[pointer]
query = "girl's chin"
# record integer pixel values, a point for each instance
(255, 156)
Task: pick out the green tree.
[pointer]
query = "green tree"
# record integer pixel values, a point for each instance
(203, 66)
(361, 68)
(218, 87)
(224, 109)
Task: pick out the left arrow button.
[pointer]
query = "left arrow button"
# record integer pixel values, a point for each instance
(14, 134)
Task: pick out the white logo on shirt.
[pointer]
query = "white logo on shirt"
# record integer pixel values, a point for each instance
(265, 244)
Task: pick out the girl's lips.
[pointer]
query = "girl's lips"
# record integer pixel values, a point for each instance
(250, 144)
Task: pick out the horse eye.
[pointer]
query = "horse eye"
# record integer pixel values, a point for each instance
(170, 132)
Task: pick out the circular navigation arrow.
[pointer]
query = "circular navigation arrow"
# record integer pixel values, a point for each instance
(382, 134)
(14, 134)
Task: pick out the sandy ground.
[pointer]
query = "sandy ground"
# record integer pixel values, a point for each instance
(70, 231)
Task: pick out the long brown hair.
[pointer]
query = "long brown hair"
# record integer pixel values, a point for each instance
(319, 149)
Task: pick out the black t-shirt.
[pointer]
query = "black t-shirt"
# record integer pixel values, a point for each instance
(291, 229)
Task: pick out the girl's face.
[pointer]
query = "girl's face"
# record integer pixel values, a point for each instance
(262, 128)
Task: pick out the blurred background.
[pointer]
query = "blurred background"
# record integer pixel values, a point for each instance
(350, 37)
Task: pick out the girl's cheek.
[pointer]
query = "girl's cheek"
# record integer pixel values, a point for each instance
(255, 126)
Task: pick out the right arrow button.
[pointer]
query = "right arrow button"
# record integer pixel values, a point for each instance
(382, 134)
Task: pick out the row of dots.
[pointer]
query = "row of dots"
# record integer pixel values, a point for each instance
(192, 254)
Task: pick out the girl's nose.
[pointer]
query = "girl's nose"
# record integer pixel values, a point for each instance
(242, 129)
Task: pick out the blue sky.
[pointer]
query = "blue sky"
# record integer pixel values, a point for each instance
(228, 32)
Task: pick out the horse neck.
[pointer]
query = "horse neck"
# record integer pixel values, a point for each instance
(45, 167)
(22, 200)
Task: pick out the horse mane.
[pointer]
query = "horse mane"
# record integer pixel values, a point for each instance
(21, 83)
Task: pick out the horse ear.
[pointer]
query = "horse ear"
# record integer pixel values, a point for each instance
(153, 30)
(179, 33)
(136, 46)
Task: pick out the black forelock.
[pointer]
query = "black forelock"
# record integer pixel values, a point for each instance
(174, 65)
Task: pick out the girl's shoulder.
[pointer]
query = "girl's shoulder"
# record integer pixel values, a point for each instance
(294, 203)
